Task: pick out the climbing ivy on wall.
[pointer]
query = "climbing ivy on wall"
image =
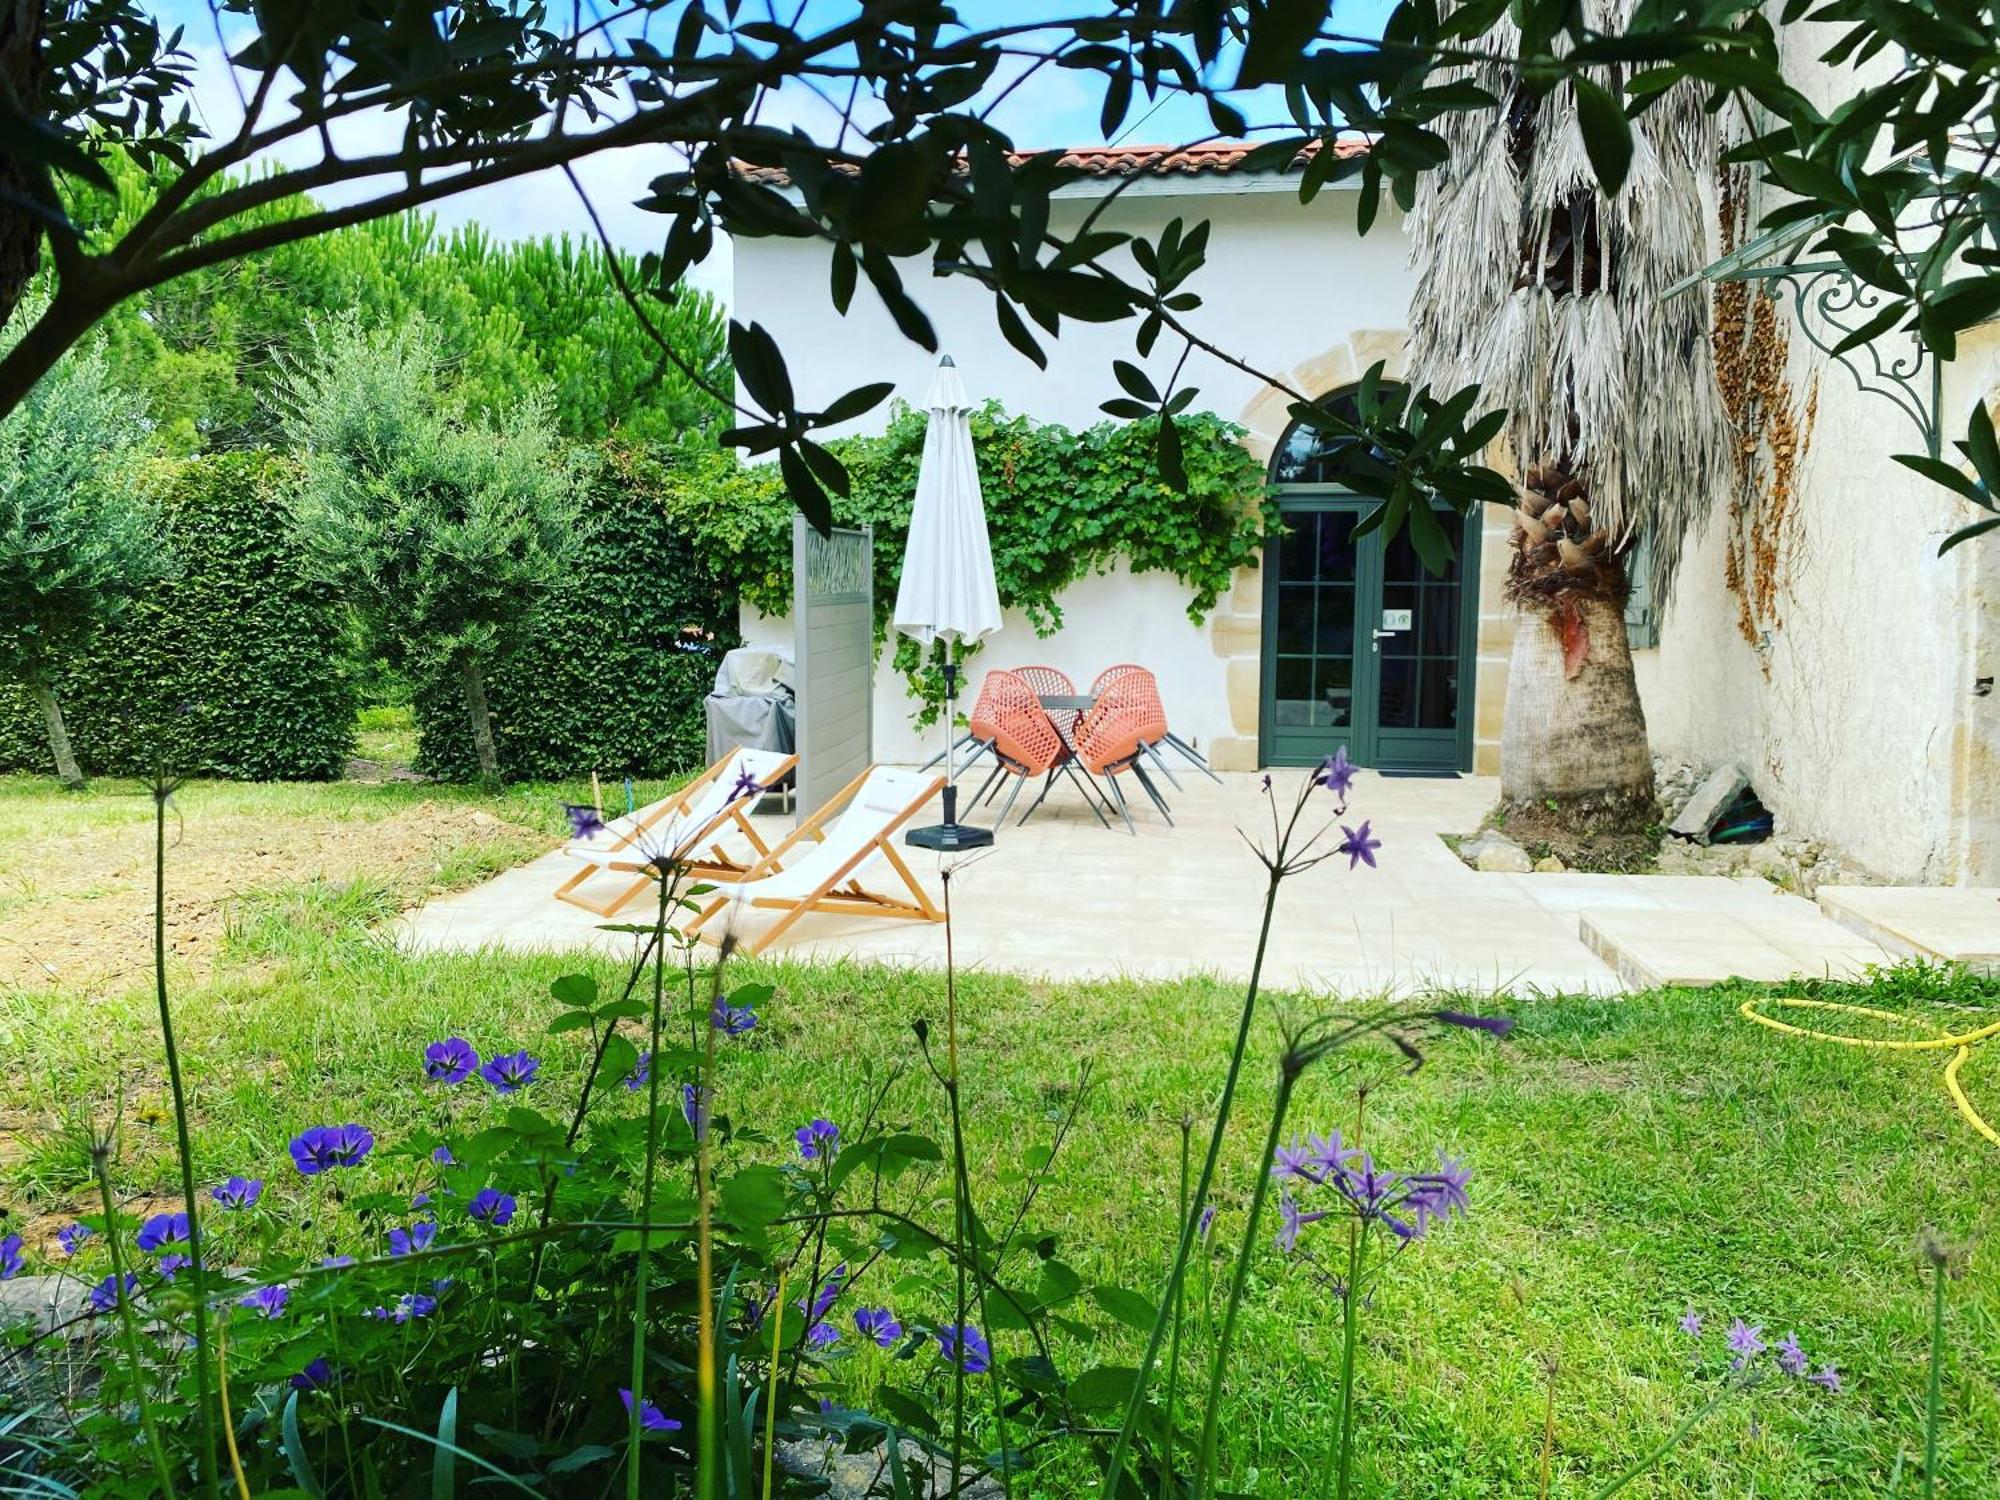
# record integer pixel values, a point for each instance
(1060, 505)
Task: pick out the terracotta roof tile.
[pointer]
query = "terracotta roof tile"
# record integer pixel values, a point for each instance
(1217, 159)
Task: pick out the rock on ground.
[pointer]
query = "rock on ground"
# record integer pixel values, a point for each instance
(1495, 853)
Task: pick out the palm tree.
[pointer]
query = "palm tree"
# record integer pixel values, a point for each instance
(1546, 292)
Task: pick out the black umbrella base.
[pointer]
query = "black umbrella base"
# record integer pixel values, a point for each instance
(949, 837)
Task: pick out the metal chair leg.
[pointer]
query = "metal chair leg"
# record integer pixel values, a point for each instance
(1123, 811)
(962, 742)
(1048, 782)
(1192, 754)
(986, 787)
(1008, 806)
(1069, 769)
(1165, 769)
(1152, 791)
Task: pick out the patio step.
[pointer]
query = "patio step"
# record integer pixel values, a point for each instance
(1768, 939)
(1958, 924)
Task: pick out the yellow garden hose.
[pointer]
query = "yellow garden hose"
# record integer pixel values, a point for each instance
(1963, 1041)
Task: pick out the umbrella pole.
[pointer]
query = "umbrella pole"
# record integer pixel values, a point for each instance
(950, 834)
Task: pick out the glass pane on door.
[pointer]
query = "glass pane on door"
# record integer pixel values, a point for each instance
(1313, 639)
(1418, 643)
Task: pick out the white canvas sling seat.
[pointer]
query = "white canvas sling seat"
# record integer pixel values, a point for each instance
(705, 811)
(819, 865)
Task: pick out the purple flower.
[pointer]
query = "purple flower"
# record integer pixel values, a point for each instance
(1826, 1376)
(1336, 774)
(416, 1238)
(104, 1296)
(170, 1264)
(1791, 1358)
(1207, 1222)
(965, 1347)
(1291, 1219)
(1359, 846)
(1496, 1025)
(818, 1141)
(694, 1109)
(511, 1072)
(267, 1301)
(1267, 783)
(1745, 1342)
(315, 1376)
(409, 1305)
(335, 1262)
(583, 820)
(161, 1231)
(325, 1147)
(822, 1302)
(492, 1207)
(1691, 1323)
(651, 1418)
(10, 1257)
(72, 1236)
(731, 1020)
(822, 1334)
(1440, 1194)
(420, 1200)
(450, 1061)
(746, 785)
(641, 1074)
(238, 1193)
(879, 1324)
(443, 1157)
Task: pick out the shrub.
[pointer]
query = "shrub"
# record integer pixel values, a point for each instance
(231, 665)
(612, 669)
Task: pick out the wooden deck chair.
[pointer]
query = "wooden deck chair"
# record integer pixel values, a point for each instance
(817, 867)
(705, 811)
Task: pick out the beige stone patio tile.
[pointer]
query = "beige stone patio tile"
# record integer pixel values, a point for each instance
(1959, 924)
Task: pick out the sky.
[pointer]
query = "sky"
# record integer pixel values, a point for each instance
(1053, 108)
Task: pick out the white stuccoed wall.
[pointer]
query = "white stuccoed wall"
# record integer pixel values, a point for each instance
(1288, 288)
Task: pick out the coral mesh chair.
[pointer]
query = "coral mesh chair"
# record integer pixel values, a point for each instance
(1118, 731)
(1009, 717)
(1140, 681)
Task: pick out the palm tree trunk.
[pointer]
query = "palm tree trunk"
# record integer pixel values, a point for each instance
(482, 720)
(65, 757)
(1573, 740)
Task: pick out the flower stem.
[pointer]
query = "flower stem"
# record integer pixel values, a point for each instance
(198, 1274)
(1174, 1349)
(1204, 1475)
(1350, 1339)
(1666, 1444)
(635, 1430)
(1934, 1401)
(708, 1424)
(771, 1404)
(1114, 1467)
(128, 1327)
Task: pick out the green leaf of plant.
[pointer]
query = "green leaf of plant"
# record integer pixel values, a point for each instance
(1127, 1306)
(575, 990)
(1102, 1388)
(1607, 134)
(295, 1450)
(444, 1458)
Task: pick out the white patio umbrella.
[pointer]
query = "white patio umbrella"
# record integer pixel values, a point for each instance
(947, 592)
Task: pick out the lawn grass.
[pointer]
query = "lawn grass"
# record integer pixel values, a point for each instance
(1633, 1157)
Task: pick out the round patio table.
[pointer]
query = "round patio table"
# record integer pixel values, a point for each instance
(1066, 711)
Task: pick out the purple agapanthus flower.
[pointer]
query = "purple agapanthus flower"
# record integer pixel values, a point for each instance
(584, 820)
(416, 1238)
(162, 1230)
(1267, 784)
(10, 1257)
(1359, 846)
(1336, 774)
(1206, 1223)
(694, 1109)
(511, 1072)
(1292, 1219)
(72, 1236)
(1691, 1323)
(818, 1141)
(1827, 1377)
(267, 1301)
(731, 1020)
(1495, 1025)
(641, 1074)
(1791, 1358)
(317, 1375)
(1746, 1342)
(820, 1335)
(879, 1324)
(747, 785)
(651, 1418)
(325, 1147)
(490, 1206)
(1440, 1194)
(450, 1061)
(104, 1296)
(171, 1265)
(965, 1347)
(238, 1193)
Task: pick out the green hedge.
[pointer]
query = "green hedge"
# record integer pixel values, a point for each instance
(234, 665)
(604, 681)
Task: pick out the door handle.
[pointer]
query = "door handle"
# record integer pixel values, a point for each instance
(1384, 634)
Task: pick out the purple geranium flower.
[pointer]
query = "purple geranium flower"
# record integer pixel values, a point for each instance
(965, 1347)
(511, 1072)
(1691, 1323)
(879, 1324)
(171, 1264)
(641, 1074)
(1745, 1342)
(492, 1207)
(315, 1376)
(10, 1257)
(336, 1262)
(72, 1236)
(651, 1418)
(1359, 846)
(450, 1061)
(416, 1238)
(409, 1305)
(823, 1299)
(161, 1231)
(1791, 1358)
(584, 820)
(325, 1147)
(731, 1020)
(818, 1141)
(1336, 774)
(822, 1334)
(238, 1193)
(443, 1157)
(694, 1109)
(267, 1301)
(104, 1296)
